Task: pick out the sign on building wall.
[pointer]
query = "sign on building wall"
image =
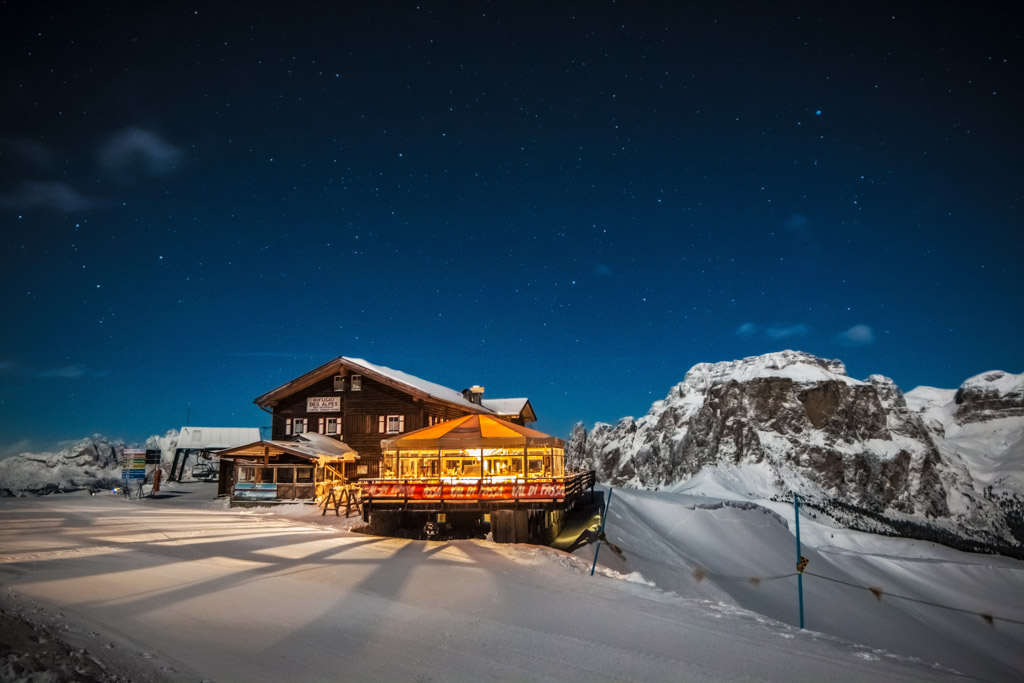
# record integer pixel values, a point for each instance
(323, 404)
(255, 491)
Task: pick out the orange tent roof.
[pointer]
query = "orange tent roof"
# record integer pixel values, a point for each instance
(471, 431)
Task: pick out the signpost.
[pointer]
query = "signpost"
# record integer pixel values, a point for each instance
(133, 467)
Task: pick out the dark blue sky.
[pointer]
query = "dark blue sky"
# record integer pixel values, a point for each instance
(574, 203)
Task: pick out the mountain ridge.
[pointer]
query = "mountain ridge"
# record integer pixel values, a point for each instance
(947, 466)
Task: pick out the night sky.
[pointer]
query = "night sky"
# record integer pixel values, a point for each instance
(574, 202)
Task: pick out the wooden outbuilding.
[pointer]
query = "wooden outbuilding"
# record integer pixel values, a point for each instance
(303, 468)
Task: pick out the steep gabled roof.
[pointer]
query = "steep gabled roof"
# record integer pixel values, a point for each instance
(511, 407)
(397, 377)
(410, 384)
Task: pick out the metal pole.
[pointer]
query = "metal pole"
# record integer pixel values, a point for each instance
(800, 573)
(600, 532)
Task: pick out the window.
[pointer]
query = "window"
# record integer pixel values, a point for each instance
(330, 426)
(295, 425)
(197, 435)
(410, 468)
(391, 424)
(339, 383)
(304, 475)
(355, 382)
(285, 475)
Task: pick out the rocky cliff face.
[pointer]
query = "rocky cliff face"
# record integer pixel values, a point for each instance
(789, 421)
(990, 396)
(90, 463)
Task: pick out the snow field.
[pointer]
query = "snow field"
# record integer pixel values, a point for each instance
(256, 595)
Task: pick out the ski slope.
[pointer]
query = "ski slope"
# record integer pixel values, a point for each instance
(194, 591)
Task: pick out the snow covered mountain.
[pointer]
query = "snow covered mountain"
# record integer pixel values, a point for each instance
(93, 462)
(934, 464)
(90, 463)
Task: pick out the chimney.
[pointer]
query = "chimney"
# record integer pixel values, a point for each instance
(474, 394)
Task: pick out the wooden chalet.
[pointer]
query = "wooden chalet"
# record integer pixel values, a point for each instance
(360, 403)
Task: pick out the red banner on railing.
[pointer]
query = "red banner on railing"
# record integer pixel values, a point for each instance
(413, 490)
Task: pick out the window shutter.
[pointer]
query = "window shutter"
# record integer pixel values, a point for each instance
(321, 427)
(401, 423)
(288, 426)
(382, 423)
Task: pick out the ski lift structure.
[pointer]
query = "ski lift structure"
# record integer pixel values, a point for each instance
(200, 446)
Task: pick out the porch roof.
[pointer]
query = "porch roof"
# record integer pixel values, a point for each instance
(310, 446)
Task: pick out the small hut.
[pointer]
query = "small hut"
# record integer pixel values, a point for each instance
(306, 468)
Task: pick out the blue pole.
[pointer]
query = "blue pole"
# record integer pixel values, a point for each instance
(600, 532)
(800, 573)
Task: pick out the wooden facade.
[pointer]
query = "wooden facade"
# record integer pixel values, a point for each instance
(360, 404)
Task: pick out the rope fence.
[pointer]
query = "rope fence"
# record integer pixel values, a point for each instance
(879, 593)
(700, 573)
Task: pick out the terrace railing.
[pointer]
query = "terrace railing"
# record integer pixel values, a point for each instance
(564, 488)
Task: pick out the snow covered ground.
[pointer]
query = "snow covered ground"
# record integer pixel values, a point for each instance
(182, 588)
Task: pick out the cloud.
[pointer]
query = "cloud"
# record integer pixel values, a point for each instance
(52, 195)
(65, 372)
(858, 335)
(786, 331)
(775, 332)
(71, 372)
(138, 148)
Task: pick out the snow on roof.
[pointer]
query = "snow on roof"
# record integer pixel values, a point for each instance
(309, 445)
(505, 406)
(422, 385)
(317, 444)
(216, 437)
